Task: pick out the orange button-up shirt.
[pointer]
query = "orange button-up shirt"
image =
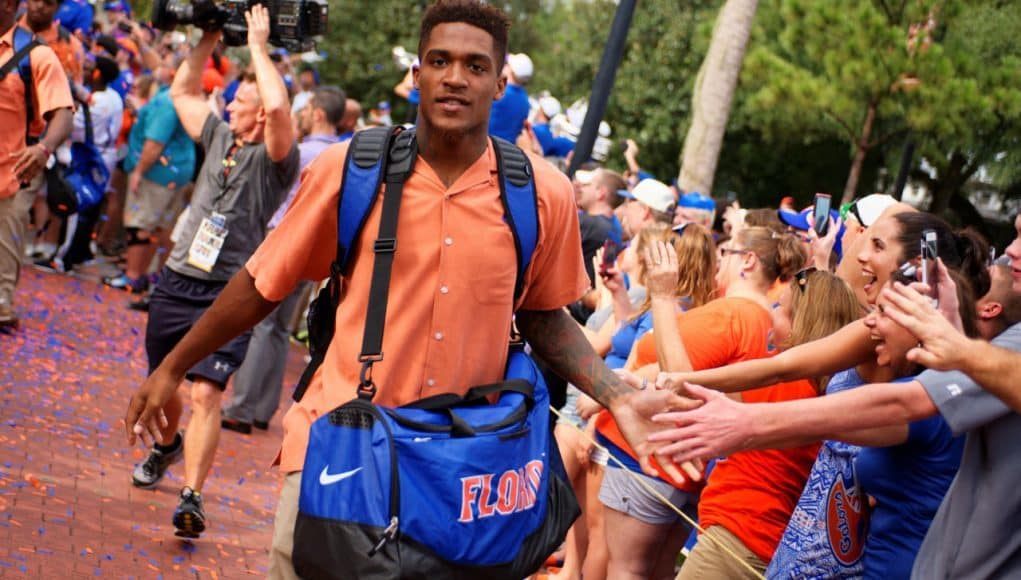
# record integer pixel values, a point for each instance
(450, 300)
(51, 92)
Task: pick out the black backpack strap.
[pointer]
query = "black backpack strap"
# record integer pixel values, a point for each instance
(89, 135)
(364, 169)
(400, 163)
(24, 42)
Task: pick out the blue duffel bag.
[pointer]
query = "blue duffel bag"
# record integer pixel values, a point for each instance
(447, 487)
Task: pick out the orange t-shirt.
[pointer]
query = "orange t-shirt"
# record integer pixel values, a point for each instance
(724, 331)
(450, 300)
(51, 92)
(753, 493)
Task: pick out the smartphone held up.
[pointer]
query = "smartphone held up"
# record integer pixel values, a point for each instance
(821, 213)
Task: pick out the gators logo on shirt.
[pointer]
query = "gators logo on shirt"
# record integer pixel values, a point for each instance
(846, 521)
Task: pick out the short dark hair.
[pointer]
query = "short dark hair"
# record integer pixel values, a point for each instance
(108, 70)
(331, 100)
(473, 12)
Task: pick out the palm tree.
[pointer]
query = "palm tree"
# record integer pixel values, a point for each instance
(713, 94)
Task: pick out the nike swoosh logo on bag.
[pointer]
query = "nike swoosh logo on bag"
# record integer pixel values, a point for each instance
(326, 478)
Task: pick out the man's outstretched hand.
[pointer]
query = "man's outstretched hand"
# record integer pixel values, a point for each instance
(634, 419)
(145, 417)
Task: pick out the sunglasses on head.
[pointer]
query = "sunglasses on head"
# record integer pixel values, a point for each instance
(801, 278)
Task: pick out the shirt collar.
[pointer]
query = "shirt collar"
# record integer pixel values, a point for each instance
(320, 138)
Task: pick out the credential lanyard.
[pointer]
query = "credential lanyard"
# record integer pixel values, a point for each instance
(400, 162)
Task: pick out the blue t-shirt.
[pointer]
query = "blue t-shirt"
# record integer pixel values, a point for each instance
(908, 482)
(157, 121)
(75, 15)
(122, 84)
(624, 339)
(508, 115)
(826, 535)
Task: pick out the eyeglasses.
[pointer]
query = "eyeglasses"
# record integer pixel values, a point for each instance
(801, 278)
(724, 252)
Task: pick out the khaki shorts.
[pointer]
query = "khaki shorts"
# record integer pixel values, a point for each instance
(718, 555)
(152, 207)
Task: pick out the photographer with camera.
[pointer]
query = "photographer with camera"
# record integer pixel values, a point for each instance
(249, 166)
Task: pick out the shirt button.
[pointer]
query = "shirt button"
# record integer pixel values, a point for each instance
(431, 382)
(448, 241)
(444, 290)
(438, 336)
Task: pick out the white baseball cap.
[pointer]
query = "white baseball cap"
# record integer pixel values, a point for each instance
(521, 66)
(868, 209)
(652, 193)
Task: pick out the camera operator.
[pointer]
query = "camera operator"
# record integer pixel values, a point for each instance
(249, 166)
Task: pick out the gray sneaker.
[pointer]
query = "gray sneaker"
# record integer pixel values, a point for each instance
(189, 518)
(149, 473)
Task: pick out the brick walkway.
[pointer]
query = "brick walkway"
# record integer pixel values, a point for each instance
(67, 507)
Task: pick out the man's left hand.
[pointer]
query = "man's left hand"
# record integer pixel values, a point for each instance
(29, 162)
(633, 413)
(258, 26)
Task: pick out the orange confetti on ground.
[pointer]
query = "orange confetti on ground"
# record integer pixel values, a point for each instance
(138, 453)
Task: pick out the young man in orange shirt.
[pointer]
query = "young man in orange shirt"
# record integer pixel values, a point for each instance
(452, 291)
(21, 163)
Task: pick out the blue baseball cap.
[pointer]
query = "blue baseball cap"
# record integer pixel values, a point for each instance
(799, 221)
(697, 200)
(118, 6)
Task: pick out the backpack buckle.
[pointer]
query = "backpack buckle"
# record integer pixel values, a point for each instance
(385, 246)
(366, 387)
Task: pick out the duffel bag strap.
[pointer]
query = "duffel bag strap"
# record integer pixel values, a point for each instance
(401, 162)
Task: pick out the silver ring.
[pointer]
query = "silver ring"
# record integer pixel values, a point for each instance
(645, 384)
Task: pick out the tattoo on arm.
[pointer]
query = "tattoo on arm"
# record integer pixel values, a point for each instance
(558, 340)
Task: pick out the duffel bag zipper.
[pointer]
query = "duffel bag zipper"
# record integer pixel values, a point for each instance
(391, 531)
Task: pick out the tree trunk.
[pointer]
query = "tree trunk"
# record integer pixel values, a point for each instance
(861, 149)
(713, 94)
(948, 182)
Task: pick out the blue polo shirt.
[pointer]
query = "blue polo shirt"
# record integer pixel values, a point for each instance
(508, 115)
(157, 121)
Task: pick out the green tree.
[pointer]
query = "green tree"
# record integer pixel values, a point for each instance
(972, 120)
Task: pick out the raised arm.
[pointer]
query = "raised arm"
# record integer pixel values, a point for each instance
(845, 348)
(272, 90)
(943, 347)
(862, 415)
(186, 90)
(661, 260)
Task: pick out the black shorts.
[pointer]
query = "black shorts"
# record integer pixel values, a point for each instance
(176, 304)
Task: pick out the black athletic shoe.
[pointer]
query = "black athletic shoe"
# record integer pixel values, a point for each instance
(149, 473)
(189, 519)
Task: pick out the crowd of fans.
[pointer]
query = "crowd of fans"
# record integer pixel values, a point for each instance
(688, 298)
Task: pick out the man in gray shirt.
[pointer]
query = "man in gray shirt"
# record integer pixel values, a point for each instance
(249, 166)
